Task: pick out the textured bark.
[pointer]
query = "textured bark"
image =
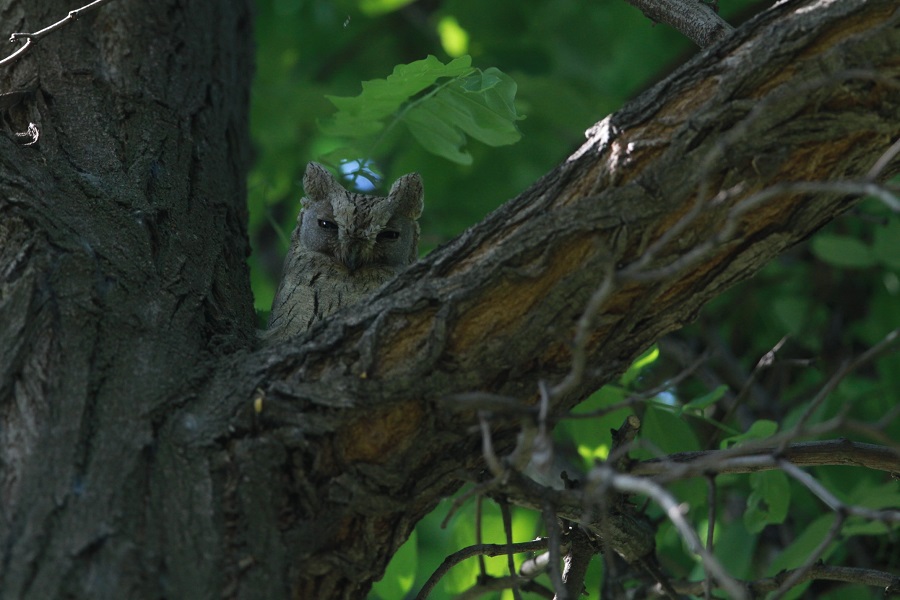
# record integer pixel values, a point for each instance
(122, 278)
(148, 450)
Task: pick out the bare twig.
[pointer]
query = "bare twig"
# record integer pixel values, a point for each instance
(551, 524)
(884, 160)
(845, 370)
(510, 560)
(583, 330)
(577, 561)
(813, 557)
(635, 485)
(890, 583)
(832, 501)
(477, 550)
(751, 459)
(710, 529)
(32, 38)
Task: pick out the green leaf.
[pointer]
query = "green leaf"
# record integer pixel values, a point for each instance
(759, 430)
(667, 431)
(769, 501)
(842, 251)
(363, 115)
(380, 7)
(803, 545)
(401, 571)
(479, 105)
(591, 437)
(792, 312)
(886, 244)
(644, 360)
(440, 116)
(701, 402)
(437, 136)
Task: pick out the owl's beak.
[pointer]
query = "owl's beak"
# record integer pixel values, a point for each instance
(353, 259)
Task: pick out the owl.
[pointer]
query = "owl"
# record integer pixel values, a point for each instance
(345, 246)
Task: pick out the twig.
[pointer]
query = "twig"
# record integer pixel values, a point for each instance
(510, 561)
(845, 370)
(884, 160)
(832, 501)
(477, 550)
(583, 331)
(551, 524)
(829, 452)
(577, 561)
(880, 579)
(710, 529)
(814, 556)
(31, 38)
(629, 484)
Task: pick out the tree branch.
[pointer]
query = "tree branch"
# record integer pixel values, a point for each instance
(695, 19)
(805, 454)
(497, 311)
(890, 583)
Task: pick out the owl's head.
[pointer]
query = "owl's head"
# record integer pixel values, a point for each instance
(358, 230)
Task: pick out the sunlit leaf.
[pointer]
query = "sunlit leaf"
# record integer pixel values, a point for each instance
(454, 38)
(380, 7)
(644, 360)
(401, 571)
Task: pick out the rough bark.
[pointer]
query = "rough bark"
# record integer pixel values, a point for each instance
(122, 277)
(148, 450)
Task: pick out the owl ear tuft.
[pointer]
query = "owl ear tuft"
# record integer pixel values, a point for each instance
(318, 182)
(408, 194)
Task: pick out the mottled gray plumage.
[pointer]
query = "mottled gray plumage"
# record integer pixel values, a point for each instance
(344, 247)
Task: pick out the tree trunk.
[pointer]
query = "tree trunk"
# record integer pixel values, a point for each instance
(150, 450)
(122, 280)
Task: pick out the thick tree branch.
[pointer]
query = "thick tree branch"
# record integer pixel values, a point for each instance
(803, 93)
(305, 465)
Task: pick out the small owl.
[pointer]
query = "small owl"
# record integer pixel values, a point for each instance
(344, 247)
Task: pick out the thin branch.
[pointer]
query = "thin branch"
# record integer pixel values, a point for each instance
(879, 579)
(845, 370)
(832, 501)
(710, 529)
(31, 38)
(830, 452)
(510, 561)
(577, 561)
(814, 556)
(583, 331)
(551, 524)
(477, 550)
(629, 484)
(884, 160)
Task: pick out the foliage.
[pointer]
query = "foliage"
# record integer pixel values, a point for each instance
(471, 102)
(568, 64)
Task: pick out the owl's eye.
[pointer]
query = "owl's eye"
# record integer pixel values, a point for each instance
(327, 224)
(388, 235)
